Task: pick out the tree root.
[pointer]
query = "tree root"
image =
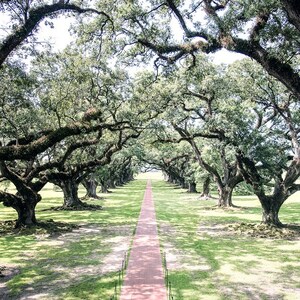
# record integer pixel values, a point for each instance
(261, 230)
(48, 227)
(80, 207)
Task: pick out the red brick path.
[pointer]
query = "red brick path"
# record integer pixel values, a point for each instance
(144, 278)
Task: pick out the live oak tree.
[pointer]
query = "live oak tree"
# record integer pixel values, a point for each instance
(176, 161)
(266, 31)
(26, 16)
(90, 183)
(268, 152)
(86, 105)
(257, 119)
(220, 163)
(74, 171)
(249, 120)
(27, 179)
(198, 117)
(120, 171)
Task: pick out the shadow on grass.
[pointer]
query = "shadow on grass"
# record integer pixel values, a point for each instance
(70, 260)
(81, 207)
(47, 227)
(59, 267)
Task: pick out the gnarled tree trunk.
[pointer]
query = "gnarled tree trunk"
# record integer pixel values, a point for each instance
(26, 213)
(206, 188)
(70, 190)
(270, 209)
(225, 196)
(111, 184)
(24, 205)
(192, 187)
(91, 188)
(104, 187)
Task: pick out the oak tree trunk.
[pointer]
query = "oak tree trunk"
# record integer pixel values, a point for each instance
(192, 187)
(111, 184)
(24, 205)
(70, 190)
(225, 196)
(26, 213)
(104, 188)
(91, 188)
(270, 210)
(206, 188)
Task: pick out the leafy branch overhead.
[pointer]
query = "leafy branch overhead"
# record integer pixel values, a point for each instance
(97, 111)
(30, 17)
(225, 28)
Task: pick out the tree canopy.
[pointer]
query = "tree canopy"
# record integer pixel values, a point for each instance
(134, 88)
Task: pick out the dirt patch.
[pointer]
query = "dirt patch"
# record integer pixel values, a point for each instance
(115, 259)
(177, 260)
(235, 211)
(249, 281)
(214, 230)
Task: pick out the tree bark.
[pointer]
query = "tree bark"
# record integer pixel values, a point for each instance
(104, 188)
(182, 183)
(192, 187)
(270, 206)
(91, 188)
(225, 196)
(292, 8)
(206, 189)
(24, 206)
(70, 190)
(111, 184)
(26, 213)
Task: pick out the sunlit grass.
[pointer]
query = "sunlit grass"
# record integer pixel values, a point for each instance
(42, 265)
(216, 266)
(230, 266)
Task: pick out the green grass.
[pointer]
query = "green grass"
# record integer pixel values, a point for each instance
(234, 266)
(44, 262)
(209, 263)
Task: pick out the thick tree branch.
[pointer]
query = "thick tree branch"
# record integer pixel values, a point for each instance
(34, 18)
(44, 142)
(292, 8)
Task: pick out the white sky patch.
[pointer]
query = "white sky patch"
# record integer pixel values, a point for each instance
(224, 56)
(4, 21)
(58, 36)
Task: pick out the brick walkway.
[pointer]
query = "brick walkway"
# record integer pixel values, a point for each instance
(144, 278)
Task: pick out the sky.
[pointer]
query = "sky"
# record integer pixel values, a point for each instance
(59, 37)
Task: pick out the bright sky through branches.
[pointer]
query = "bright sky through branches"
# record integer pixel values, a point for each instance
(59, 36)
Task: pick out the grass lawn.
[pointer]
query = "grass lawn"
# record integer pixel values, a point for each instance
(81, 264)
(207, 260)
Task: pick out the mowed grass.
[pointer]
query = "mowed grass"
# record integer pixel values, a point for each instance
(206, 261)
(68, 266)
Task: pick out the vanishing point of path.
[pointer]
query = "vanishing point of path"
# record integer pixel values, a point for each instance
(144, 278)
